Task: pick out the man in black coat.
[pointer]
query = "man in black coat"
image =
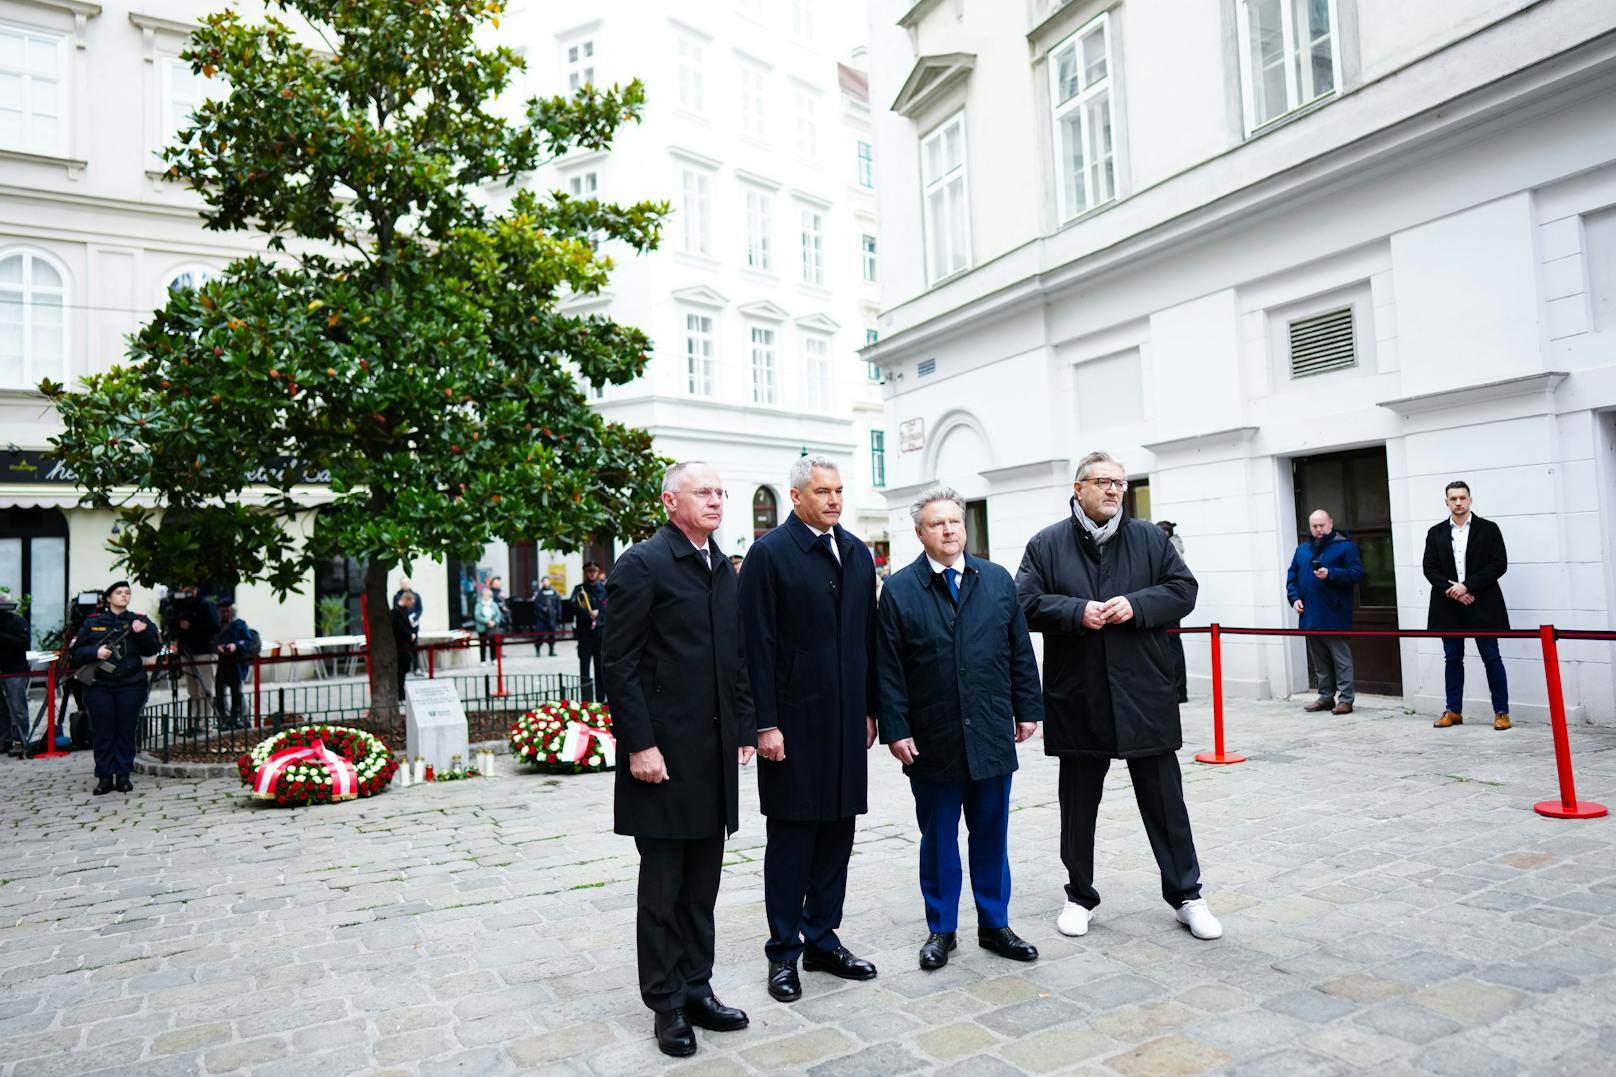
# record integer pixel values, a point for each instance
(958, 690)
(14, 637)
(1103, 587)
(588, 607)
(807, 617)
(1464, 557)
(546, 616)
(682, 714)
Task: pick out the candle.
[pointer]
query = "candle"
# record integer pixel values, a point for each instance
(429, 773)
(420, 769)
(402, 775)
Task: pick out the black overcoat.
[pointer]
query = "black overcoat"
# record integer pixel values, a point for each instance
(956, 679)
(672, 653)
(1109, 691)
(1485, 561)
(808, 624)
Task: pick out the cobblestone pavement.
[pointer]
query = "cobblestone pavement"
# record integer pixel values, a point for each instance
(1392, 905)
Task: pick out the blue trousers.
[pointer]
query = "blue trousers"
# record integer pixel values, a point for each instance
(1453, 673)
(804, 884)
(986, 805)
(114, 718)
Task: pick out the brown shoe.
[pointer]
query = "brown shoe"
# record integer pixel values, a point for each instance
(1448, 718)
(1501, 721)
(1342, 708)
(1318, 705)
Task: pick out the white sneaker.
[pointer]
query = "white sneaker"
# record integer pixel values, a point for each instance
(1199, 919)
(1073, 920)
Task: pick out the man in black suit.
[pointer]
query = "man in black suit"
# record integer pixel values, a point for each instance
(588, 606)
(682, 714)
(807, 615)
(1464, 557)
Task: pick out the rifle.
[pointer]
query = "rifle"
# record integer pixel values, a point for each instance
(87, 674)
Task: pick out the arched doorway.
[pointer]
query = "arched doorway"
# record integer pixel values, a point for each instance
(33, 565)
(765, 511)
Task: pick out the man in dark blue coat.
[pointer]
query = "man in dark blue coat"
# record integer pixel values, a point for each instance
(1323, 577)
(807, 619)
(958, 690)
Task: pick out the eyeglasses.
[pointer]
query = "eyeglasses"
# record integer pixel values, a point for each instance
(1108, 484)
(702, 493)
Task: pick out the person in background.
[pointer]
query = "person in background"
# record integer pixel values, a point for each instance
(1321, 583)
(735, 559)
(416, 606)
(588, 603)
(1464, 559)
(14, 638)
(118, 694)
(546, 615)
(234, 646)
(486, 617)
(1181, 679)
(419, 607)
(404, 636)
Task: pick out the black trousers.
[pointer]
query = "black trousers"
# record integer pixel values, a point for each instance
(804, 884)
(1158, 787)
(593, 688)
(228, 681)
(674, 926)
(114, 716)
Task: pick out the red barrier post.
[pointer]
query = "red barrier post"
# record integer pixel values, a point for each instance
(1218, 755)
(258, 689)
(499, 666)
(431, 661)
(51, 751)
(1568, 806)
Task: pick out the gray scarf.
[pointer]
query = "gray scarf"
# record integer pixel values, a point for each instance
(1101, 535)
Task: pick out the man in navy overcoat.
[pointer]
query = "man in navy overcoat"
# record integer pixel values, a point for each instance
(807, 618)
(958, 689)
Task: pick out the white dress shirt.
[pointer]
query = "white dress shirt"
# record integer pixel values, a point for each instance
(1461, 543)
(958, 565)
(817, 532)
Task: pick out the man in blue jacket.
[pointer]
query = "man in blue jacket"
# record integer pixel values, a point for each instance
(1320, 584)
(958, 690)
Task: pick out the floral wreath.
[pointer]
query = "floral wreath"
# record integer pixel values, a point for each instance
(565, 736)
(317, 764)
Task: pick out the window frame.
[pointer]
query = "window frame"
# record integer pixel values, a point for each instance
(754, 120)
(586, 63)
(30, 376)
(878, 459)
(1079, 103)
(690, 59)
(696, 207)
(807, 125)
(819, 388)
(866, 165)
(1294, 104)
(870, 258)
(759, 215)
(765, 373)
(168, 129)
(872, 371)
(928, 187)
(64, 91)
(812, 241)
(701, 382)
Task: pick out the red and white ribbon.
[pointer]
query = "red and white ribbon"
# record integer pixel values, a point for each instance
(580, 739)
(344, 775)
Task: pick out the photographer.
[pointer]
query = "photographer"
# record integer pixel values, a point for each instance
(120, 639)
(13, 676)
(192, 622)
(234, 646)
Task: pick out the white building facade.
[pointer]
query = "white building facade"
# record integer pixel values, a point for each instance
(1277, 255)
(766, 283)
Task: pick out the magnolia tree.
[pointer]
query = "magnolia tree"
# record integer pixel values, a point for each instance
(412, 357)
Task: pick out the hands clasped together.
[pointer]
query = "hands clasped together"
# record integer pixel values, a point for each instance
(1113, 611)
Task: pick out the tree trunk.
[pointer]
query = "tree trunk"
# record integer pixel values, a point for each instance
(384, 656)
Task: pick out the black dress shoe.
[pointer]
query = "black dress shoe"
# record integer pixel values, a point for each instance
(103, 786)
(1006, 943)
(673, 1034)
(783, 982)
(123, 784)
(838, 962)
(934, 951)
(707, 1012)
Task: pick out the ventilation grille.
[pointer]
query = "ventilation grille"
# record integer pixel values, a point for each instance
(1322, 343)
(926, 367)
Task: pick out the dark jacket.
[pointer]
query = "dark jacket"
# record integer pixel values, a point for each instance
(1485, 562)
(14, 639)
(126, 655)
(415, 610)
(1326, 603)
(672, 655)
(957, 680)
(403, 632)
(1108, 691)
(201, 619)
(239, 660)
(547, 610)
(808, 624)
(586, 597)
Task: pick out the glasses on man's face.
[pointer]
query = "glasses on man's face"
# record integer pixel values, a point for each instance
(1108, 484)
(704, 493)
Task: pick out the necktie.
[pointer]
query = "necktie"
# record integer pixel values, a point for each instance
(706, 559)
(952, 576)
(829, 543)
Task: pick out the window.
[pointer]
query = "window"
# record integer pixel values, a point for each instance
(33, 91)
(872, 371)
(692, 76)
(866, 165)
(754, 101)
(867, 244)
(942, 165)
(813, 247)
(184, 91)
(807, 126)
(696, 212)
(762, 365)
(1287, 56)
(33, 565)
(583, 184)
(976, 528)
(33, 332)
(699, 354)
(1080, 78)
(802, 19)
(878, 458)
(759, 224)
(765, 512)
(580, 64)
(816, 372)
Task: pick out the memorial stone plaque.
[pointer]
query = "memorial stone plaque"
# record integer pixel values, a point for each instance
(435, 723)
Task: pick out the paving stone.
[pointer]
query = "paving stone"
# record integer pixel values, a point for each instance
(1469, 1001)
(1415, 1024)
(192, 1038)
(870, 1062)
(801, 1050)
(1454, 1058)
(243, 1055)
(1359, 1048)
(1289, 1062)
(1170, 1056)
(1029, 1016)
(1309, 1005)
(955, 1041)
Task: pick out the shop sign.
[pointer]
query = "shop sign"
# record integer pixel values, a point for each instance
(40, 467)
(912, 435)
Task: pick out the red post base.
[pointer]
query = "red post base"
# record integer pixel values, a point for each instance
(1219, 757)
(1580, 809)
(52, 753)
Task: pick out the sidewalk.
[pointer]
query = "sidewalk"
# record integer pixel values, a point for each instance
(1391, 905)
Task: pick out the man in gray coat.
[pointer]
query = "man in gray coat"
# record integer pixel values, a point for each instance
(1103, 587)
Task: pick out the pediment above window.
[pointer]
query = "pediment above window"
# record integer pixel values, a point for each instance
(764, 311)
(701, 296)
(930, 78)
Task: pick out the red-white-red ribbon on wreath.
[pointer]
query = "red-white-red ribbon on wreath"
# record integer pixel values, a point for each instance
(344, 776)
(581, 739)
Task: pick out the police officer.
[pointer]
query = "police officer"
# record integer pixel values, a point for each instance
(117, 696)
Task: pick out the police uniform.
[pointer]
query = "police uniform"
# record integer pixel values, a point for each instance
(116, 698)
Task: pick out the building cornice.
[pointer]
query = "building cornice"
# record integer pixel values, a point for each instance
(1543, 383)
(82, 13)
(1229, 436)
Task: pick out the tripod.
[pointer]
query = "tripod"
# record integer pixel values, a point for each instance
(178, 660)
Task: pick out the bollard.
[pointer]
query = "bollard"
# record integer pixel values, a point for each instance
(1218, 755)
(1568, 806)
(431, 661)
(499, 666)
(51, 751)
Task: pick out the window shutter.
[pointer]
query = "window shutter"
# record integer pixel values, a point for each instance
(1322, 343)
